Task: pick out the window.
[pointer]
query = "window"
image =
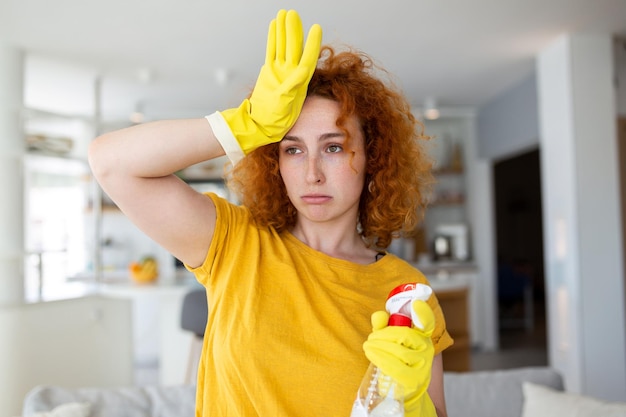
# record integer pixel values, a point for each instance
(56, 196)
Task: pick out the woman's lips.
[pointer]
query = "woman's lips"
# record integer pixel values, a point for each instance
(316, 198)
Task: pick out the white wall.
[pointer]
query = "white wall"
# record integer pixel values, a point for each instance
(482, 218)
(11, 184)
(620, 75)
(583, 242)
(56, 86)
(578, 161)
(78, 342)
(509, 123)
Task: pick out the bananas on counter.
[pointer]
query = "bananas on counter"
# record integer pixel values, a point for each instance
(144, 271)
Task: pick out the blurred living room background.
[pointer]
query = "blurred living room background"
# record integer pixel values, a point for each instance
(523, 241)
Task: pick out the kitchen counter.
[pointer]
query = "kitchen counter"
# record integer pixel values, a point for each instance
(158, 339)
(447, 279)
(112, 285)
(431, 268)
(450, 283)
(448, 275)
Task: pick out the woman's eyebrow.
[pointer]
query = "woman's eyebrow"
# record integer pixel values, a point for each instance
(332, 135)
(291, 138)
(323, 136)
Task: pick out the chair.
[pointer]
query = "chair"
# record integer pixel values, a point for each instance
(194, 318)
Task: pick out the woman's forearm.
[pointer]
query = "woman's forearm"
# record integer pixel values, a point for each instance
(435, 390)
(153, 149)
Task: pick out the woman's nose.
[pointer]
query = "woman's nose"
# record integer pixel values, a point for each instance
(314, 172)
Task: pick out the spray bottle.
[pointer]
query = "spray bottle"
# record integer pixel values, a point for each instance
(380, 395)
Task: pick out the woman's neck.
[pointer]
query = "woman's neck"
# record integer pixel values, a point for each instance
(338, 242)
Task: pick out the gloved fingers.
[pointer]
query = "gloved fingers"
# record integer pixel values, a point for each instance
(281, 36)
(311, 52)
(284, 51)
(379, 320)
(408, 337)
(270, 48)
(423, 317)
(295, 35)
(399, 354)
(387, 360)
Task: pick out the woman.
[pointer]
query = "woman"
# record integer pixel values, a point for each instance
(333, 171)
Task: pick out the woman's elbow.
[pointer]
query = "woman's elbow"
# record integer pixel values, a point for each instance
(99, 159)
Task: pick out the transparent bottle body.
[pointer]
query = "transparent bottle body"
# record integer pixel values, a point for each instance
(379, 396)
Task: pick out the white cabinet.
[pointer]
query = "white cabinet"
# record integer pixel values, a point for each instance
(81, 342)
(159, 342)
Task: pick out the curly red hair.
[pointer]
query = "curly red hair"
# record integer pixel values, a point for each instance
(398, 169)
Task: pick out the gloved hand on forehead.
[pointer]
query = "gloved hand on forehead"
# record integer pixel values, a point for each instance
(279, 93)
(406, 354)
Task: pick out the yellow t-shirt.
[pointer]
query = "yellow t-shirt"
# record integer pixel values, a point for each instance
(287, 323)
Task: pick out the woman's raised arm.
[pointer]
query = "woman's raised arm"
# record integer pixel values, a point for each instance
(135, 167)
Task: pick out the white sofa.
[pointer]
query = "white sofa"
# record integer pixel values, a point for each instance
(471, 394)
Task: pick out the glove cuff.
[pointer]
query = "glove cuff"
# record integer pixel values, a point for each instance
(419, 406)
(225, 137)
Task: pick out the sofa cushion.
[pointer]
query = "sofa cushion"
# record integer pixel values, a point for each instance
(545, 402)
(493, 393)
(151, 401)
(66, 410)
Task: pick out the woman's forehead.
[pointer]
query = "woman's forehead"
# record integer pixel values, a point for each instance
(321, 111)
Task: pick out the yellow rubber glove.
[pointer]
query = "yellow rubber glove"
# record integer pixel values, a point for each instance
(279, 92)
(406, 354)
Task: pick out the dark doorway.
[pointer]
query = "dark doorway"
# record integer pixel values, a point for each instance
(519, 233)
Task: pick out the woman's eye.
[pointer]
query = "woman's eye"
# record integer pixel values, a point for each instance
(292, 151)
(334, 148)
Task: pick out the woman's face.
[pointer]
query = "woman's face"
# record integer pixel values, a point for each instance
(322, 173)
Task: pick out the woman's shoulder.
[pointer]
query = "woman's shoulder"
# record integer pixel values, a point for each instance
(224, 205)
(399, 262)
(399, 267)
(235, 219)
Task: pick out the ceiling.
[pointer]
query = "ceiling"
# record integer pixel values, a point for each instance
(165, 56)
